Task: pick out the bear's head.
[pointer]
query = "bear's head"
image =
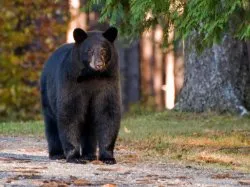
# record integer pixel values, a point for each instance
(95, 49)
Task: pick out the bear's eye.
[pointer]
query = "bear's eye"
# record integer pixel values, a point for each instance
(103, 52)
(90, 52)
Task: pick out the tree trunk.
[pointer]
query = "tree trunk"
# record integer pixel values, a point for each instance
(248, 52)
(217, 80)
(158, 68)
(169, 69)
(78, 19)
(146, 66)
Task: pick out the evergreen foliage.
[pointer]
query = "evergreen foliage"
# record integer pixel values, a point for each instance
(209, 19)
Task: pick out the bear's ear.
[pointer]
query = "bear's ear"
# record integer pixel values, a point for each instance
(110, 34)
(79, 35)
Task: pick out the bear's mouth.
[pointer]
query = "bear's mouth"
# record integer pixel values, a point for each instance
(98, 66)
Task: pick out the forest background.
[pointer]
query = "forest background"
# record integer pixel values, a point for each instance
(190, 56)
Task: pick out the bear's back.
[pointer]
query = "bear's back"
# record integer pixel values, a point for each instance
(57, 57)
(50, 74)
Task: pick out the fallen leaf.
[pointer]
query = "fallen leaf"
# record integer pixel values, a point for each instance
(244, 182)
(40, 167)
(124, 172)
(126, 130)
(29, 176)
(107, 169)
(152, 175)
(54, 183)
(50, 184)
(13, 159)
(109, 185)
(23, 176)
(176, 182)
(37, 182)
(9, 181)
(121, 147)
(97, 162)
(31, 150)
(129, 158)
(221, 176)
(181, 177)
(81, 182)
(143, 181)
(26, 171)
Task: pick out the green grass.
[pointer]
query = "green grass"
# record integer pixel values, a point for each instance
(30, 128)
(206, 138)
(203, 138)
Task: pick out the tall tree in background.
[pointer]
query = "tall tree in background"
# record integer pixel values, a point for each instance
(217, 79)
(29, 31)
(77, 18)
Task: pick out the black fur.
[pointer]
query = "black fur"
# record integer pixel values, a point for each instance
(81, 103)
(110, 34)
(79, 35)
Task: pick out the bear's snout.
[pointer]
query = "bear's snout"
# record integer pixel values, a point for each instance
(99, 65)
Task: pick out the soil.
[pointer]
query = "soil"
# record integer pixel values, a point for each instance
(24, 162)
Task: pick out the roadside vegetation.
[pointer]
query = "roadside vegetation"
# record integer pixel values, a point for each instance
(207, 138)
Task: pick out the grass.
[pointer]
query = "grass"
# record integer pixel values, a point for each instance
(204, 138)
(207, 138)
(30, 128)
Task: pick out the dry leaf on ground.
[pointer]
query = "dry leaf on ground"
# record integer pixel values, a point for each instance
(107, 169)
(81, 182)
(55, 183)
(221, 176)
(109, 185)
(97, 162)
(245, 182)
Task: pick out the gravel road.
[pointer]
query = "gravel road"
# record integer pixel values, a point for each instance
(24, 162)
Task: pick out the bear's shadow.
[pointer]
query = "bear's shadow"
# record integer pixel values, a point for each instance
(22, 158)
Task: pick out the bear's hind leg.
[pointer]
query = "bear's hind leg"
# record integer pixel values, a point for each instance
(54, 143)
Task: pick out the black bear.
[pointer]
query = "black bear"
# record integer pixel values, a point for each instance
(80, 93)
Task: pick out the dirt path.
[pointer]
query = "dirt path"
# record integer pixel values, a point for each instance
(24, 162)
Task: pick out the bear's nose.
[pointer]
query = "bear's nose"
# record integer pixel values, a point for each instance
(99, 66)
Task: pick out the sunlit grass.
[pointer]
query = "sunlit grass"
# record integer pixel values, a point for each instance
(202, 138)
(30, 128)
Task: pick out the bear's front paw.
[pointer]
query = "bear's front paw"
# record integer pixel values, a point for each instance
(108, 160)
(73, 156)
